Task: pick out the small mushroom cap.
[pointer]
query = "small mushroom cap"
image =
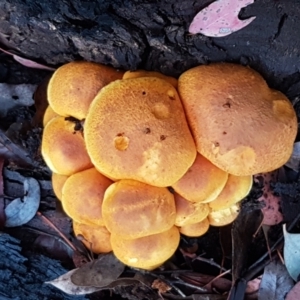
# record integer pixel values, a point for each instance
(136, 129)
(73, 86)
(58, 182)
(196, 229)
(147, 252)
(82, 196)
(133, 209)
(188, 212)
(236, 188)
(96, 238)
(238, 122)
(203, 181)
(49, 115)
(225, 216)
(63, 148)
(143, 73)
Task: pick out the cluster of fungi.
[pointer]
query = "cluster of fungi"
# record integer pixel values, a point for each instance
(139, 158)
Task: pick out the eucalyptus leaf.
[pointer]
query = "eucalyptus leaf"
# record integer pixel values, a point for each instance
(291, 253)
(65, 284)
(275, 283)
(22, 210)
(99, 273)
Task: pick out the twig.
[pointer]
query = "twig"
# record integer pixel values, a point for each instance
(219, 276)
(57, 230)
(210, 261)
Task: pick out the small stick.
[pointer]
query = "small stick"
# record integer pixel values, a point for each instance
(56, 229)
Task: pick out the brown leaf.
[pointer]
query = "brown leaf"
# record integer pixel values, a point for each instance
(161, 286)
(99, 273)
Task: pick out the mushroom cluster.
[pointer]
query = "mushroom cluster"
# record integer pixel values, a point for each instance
(140, 157)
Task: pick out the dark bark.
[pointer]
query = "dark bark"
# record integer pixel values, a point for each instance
(153, 35)
(22, 276)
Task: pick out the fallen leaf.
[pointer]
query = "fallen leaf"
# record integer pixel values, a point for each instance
(271, 210)
(294, 293)
(220, 18)
(253, 288)
(161, 286)
(14, 152)
(275, 282)
(15, 95)
(22, 210)
(291, 253)
(99, 273)
(27, 62)
(65, 284)
(53, 246)
(243, 230)
(294, 160)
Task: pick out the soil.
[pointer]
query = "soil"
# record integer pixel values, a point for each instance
(133, 34)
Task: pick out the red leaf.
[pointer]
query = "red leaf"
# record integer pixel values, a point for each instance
(220, 18)
(271, 211)
(27, 62)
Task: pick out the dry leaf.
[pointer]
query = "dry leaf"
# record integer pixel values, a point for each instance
(291, 253)
(220, 18)
(275, 282)
(271, 210)
(99, 273)
(27, 62)
(22, 210)
(294, 292)
(65, 284)
(161, 286)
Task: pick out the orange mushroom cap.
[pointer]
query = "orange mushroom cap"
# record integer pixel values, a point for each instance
(96, 238)
(133, 209)
(58, 182)
(49, 115)
(82, 196)
(232, 113)
(136, 129)
(188, 212)
(203, 181)
(147, 252)
(143, 73)
(196, 229)
(236, 188)
(63, 148)
(73, 86)
(225, 216)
